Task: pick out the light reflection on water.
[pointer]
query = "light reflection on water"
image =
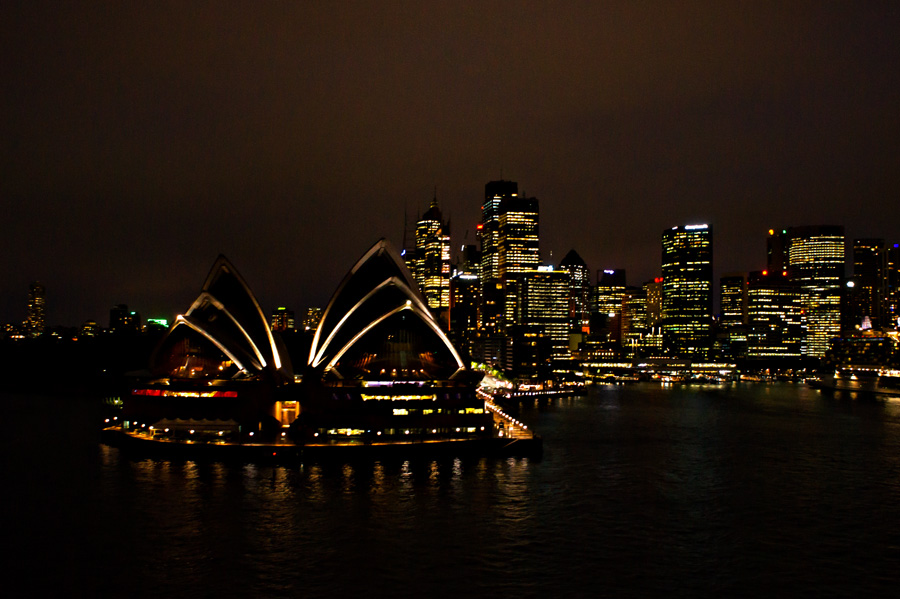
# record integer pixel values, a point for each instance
(707, 491)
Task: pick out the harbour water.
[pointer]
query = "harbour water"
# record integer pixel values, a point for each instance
(642, 490)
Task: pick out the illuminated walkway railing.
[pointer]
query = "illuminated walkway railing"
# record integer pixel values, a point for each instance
(510, 427)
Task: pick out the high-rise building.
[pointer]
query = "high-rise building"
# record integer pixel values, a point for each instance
(733, 300)
(495, 192)
(311, 319)
(606, 309)
(635, 326)
(774, 316)
(579, 291)
(776, 250)
(815, 257)
(733, 312)
(892, 286)
(282, 319)
(465, 299)
(869, 284)
(35, 319)
(432, 271)
(543, 298)
(493, 290)
(654, 301)
(687, 255)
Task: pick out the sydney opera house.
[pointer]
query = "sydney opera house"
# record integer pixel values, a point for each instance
(380, 370)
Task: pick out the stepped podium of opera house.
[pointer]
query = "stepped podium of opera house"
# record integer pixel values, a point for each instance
(381, 374)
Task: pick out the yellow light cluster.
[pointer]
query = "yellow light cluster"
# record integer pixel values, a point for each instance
(398, 397)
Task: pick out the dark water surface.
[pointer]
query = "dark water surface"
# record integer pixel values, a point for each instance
(642, 491)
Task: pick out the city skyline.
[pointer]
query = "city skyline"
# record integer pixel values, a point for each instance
(141, 142)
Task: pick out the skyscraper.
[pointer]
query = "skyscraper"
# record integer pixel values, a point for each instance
(432, 271)
(774, 316)
(493, 291)
(815, 257)
(733, 312)
(606, 311)
(543, 304)
(509, 246)
(489, 229)
(579, 291)
(869, 282)
(35, 319)
(687, 255)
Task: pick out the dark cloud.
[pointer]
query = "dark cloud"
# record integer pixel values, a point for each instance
(140, 140)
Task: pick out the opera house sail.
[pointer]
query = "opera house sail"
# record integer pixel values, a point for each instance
(381, 367)
(218, 367)
(380, 373)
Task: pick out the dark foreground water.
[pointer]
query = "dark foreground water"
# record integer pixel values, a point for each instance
(642, 491)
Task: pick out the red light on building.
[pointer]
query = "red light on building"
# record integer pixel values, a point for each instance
(658, 280)
(479, 226)
(765, 273)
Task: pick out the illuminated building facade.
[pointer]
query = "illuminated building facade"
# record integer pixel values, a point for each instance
(282, 319)
(774, 316)
(311, 319)
(892, 285)
(687, 259)
(465, 299)
(35, 320)
(733, 312)
(432, 258)
(579, 291)
(815, 258)
(869, 284)
(637, 335)
(654, 291)
(543, 305)
(495, 192)
(606, 309)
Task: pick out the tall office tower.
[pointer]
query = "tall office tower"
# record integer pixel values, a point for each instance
(869, 283)
(124, 321)
(654, 301)
(517, 239)
(733, 312)
(733, 300)
(35, 319)
(465, 298)
(774, 316)
(282, 319)
(579, 292)
(892, 287)
(816, 265)
(517, 248)
(606, 308)
(687, 255)
(543, 298)
(493, 291)
(776, 248)
(433, 258)
(635, 326)
(489, 229)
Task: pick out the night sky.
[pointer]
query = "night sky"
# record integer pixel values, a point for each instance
(141, 139)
